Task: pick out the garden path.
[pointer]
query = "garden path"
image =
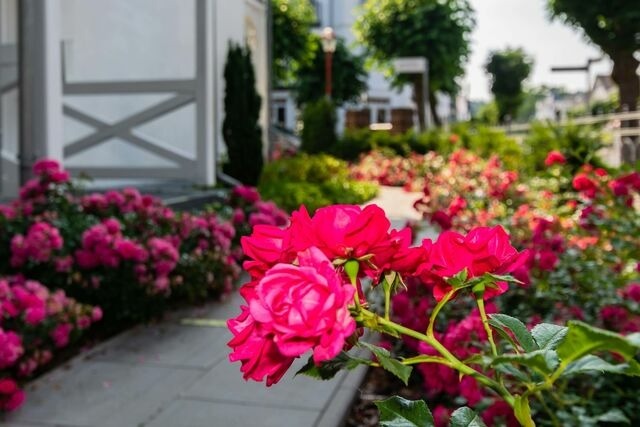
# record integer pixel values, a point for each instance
(176, 374)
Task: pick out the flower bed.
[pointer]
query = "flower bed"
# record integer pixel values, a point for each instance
(582, 232)
(69, 260)
(439, 305)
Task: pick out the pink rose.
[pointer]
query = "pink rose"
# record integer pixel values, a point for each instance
(306, 306)
(555, 158)
(96, 314)
(483, 250)
(343, 231)
(265, 248)
(60, 334)
(250, 194)
(13, 402)
(582, 183)
(253, 345)
(442, 219)
(8, 386)
(292, 309)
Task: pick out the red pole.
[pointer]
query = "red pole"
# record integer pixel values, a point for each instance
(328, 59)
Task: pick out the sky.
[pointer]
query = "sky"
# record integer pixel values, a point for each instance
(524, 23)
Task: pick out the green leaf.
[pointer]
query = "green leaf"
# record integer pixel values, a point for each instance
(466, 417)
(548, 335)
(390, 364)
(544, 361)
(502, 321)
(513, 371)
(329, 369)
(399, 412)
(459, 280)
(583, 339)
(590, 363)
(504, 278)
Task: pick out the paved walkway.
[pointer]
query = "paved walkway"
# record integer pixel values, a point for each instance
(176, 374)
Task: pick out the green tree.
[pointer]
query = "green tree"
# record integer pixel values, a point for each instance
(293, 44)
(319, 131)
(613, 25)
(508, 69)
(349, 78)
(438, 30)
(240, 128)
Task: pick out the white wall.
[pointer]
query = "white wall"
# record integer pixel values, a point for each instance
(9, 110)
(123, 40)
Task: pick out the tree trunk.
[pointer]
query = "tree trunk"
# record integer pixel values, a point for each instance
(433, 103)
(624, 74)
(418, 98)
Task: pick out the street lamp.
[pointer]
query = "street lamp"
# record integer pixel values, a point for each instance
(329, 43)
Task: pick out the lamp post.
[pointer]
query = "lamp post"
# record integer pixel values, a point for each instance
(329, 43)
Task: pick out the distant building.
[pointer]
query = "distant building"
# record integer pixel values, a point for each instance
(604, 88)
(557, 103)
(380, 97)
(122, 89)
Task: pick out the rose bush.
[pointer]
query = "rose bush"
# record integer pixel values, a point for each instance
(305, 295)
(581, 232)
(124, 253)
(35, 323)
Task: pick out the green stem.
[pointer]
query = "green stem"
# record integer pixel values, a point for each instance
(425, 359)
(387, 298)
(485, 323)
(436, 311)
(452, 360)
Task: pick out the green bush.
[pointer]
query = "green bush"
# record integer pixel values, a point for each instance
(482, 140)
(319, 131)
(313, 181)
(578, 143)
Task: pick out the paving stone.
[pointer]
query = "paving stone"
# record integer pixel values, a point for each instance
(298, 392)
(102, 394)
(169, 344)
(194, 413)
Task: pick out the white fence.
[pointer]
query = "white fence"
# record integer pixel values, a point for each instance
(623, 129)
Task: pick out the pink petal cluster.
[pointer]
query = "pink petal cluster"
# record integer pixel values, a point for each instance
(482, 250)
(292, 309)
(555, 157)
(38, 246)
(34, 323)
(11, 397)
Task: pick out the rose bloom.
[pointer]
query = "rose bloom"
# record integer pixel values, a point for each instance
(291, 310)
(266, 247)
(343, 231)
(483, 250)
(555, 158)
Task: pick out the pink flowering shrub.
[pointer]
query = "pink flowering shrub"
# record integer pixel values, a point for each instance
(122, 250)
(35, 323)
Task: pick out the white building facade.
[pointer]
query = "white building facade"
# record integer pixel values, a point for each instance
(123, 89)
